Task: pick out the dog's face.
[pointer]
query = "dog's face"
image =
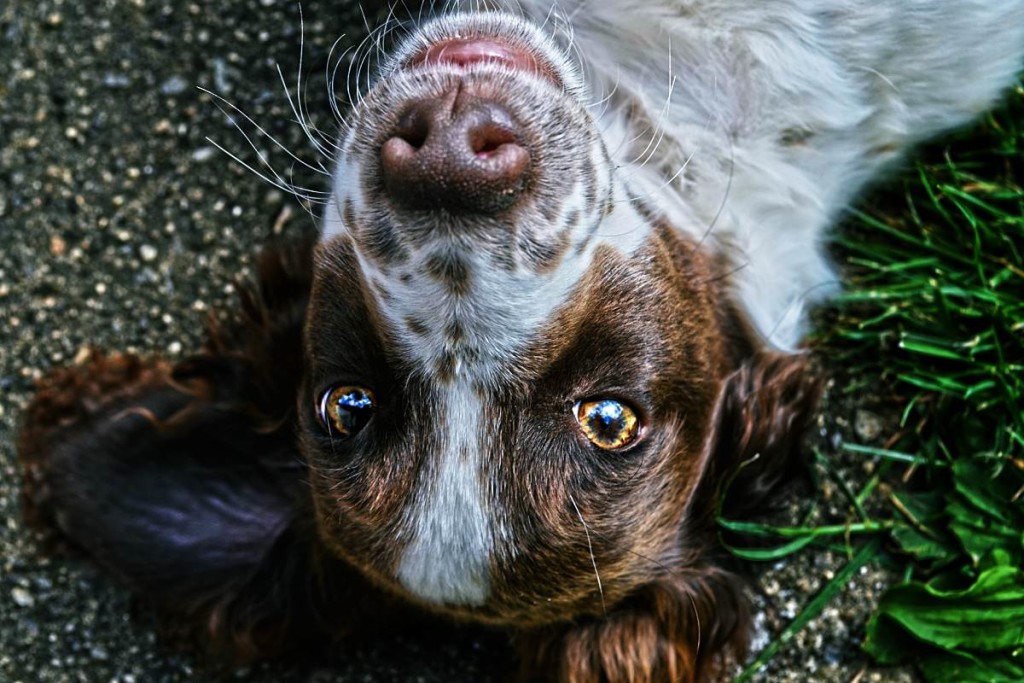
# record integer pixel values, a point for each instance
(512, 364)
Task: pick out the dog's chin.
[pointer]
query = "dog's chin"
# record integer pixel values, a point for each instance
(491, 55)
(493, 37)
(467, 51)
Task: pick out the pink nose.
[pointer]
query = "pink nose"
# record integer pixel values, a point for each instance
(459, 152)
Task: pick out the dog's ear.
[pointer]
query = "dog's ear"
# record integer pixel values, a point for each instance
(184, 479)
(191, 502)
(762, 415)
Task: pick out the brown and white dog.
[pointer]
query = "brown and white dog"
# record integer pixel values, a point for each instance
(566, 254)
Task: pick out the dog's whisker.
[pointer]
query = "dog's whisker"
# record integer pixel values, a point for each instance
(351, 86)
(301, 114)
(572, 48)
(307, 194)
(725, 198)
(360, 60)
(331, 67)
(552, 12)
(319, 144)
(696, 618)
(593, 558)
(666, 183)
(657, 132)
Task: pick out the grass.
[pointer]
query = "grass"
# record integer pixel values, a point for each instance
(933, 315)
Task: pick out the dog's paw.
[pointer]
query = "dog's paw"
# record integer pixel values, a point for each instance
(682, 629)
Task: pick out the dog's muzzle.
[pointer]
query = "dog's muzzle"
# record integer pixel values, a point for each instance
(458, 151)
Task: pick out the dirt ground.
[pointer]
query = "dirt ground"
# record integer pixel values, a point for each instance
(121, 226)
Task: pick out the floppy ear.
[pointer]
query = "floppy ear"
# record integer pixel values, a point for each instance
(763, 413)
(185, 481)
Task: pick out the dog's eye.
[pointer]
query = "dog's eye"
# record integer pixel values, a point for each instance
(344, 410)
(608, 423)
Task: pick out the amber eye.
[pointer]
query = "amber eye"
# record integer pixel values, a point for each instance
(608, 423)
(344, 410)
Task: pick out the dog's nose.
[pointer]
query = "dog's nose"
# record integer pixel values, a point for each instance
(459, 152)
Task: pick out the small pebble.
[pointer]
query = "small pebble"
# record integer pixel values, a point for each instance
(867, 425)
(22, 598)
(175, 85)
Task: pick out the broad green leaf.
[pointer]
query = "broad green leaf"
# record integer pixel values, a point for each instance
(890, 644)
(982, 514)
(989, 494)
(942, 666)
(987, 617)
(980, 534)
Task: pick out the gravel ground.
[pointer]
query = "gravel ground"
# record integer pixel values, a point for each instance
(121, 226)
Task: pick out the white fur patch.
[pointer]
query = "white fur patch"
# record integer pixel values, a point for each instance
(725, 84)
(448, 560)
(767, 119)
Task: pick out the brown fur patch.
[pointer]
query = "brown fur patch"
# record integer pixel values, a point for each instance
(417, 326)
(450, 270)
(543, 256)
(359, 484)
(589, 182)
(682, 628)
(454, 333)
(348, 213)
(380, 241)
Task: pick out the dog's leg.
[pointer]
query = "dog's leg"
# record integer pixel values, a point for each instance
(184, 481)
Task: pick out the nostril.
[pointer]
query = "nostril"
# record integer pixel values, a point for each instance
(413, 128)
(485, 140)
(458, 152)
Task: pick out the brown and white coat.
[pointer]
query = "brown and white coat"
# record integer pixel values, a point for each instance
(567, 254)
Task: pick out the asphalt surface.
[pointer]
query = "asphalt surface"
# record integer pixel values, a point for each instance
(121, 226)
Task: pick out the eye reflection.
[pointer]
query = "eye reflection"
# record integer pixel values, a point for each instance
(609, 424)
(345, 410)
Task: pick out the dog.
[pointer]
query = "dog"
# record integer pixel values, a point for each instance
(550, 327)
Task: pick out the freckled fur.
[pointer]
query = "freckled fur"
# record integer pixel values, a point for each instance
(664, 249)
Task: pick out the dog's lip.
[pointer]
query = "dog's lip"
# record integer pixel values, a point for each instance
(467, 51)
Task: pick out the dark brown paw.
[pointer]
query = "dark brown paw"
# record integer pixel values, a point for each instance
(682, 629)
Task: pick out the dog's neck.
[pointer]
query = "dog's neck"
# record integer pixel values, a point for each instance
(678, 139)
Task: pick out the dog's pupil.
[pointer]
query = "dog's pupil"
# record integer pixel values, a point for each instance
(349, 408)
(354, 409)
(608, 423)
(607, 419)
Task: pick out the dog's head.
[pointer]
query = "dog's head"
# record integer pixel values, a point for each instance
(516, 371)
